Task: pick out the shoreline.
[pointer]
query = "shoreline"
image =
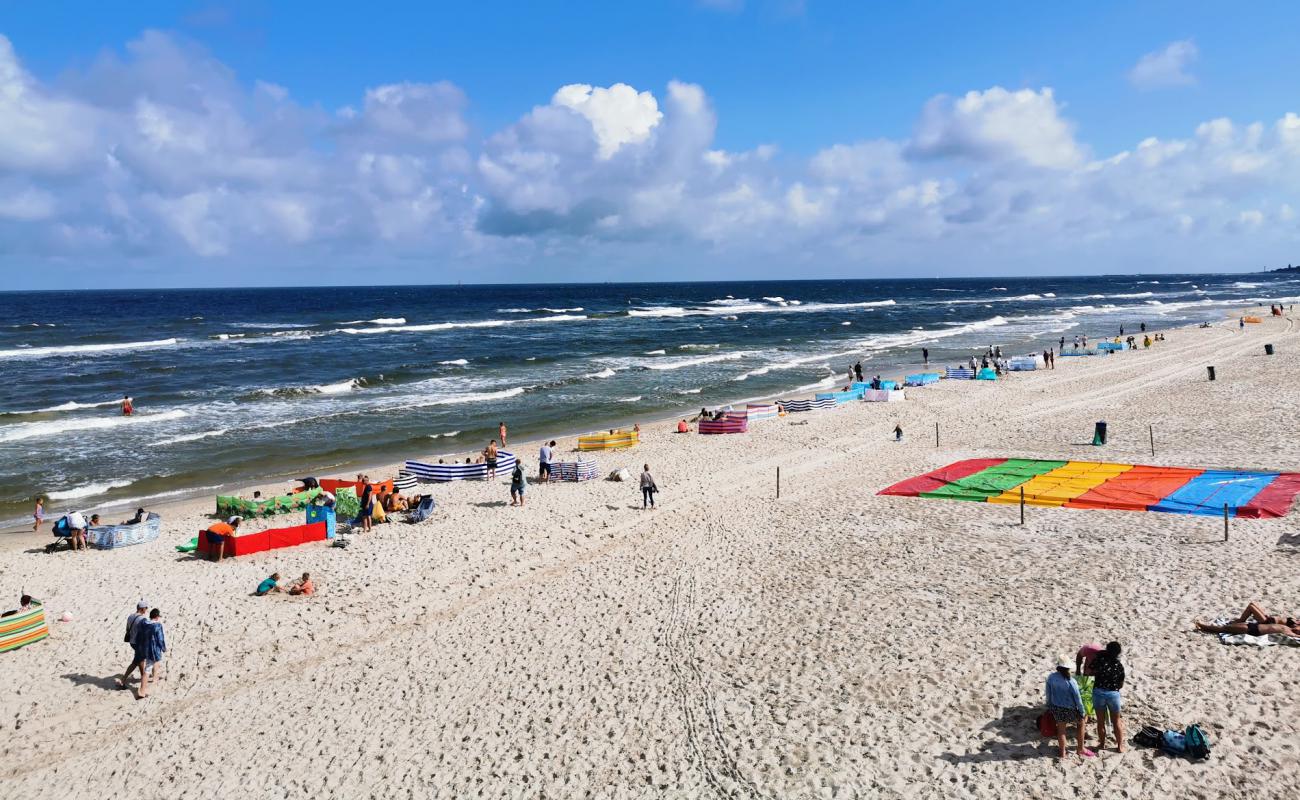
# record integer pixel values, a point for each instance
(383, 467)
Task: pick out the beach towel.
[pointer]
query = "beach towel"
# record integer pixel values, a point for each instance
(1268, 640)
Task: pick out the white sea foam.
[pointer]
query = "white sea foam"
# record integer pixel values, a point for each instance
(562, 310)
(697, 346)
(191, 437)
(36, 430)
(71, 405)
(89, 490)
(629, 399)
(445, 326)
(457, 399)
(270, 325)
(846, 322)
(729, 309)
(83, 349)
(447, 435)
(692, 362)
(507, 311)
(656, 352)
(689, 391)
(604, 373)
(455, 362)
(821, 384)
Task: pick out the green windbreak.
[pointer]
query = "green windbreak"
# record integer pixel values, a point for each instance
(995, 480)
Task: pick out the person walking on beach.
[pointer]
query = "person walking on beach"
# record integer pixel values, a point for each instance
(898, 433)
(501, 431)
(517, 484)
(150, 642)
(648, 488)
(1108, 680)
(1065, 704)
(39, 514)
(925, 356)
(490, 459)
(857, 370)
(127, 408)
(544, 462)
(141, 614)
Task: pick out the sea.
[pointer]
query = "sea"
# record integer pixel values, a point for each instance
(231, 385)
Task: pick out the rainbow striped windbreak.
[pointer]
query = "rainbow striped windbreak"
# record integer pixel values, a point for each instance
(1093, 484)
(23, 628)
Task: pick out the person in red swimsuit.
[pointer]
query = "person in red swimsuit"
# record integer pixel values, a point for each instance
(127, 408)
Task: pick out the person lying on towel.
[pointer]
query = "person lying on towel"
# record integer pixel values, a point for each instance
(1255, 621)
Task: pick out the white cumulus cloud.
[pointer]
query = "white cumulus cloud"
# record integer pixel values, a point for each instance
(1024, 125)
(1166, 67)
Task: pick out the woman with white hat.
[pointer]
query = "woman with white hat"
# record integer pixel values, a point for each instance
(1066, 706)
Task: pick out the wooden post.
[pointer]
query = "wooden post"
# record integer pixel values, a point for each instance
(936, 434)
(778, 483)
(1151, 429)
(1022, 505)
(1225, 522)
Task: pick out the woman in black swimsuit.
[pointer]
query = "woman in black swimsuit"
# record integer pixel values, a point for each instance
(1255, 613)
(1254, 621)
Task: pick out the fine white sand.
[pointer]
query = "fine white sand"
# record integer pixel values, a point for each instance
(832, 643)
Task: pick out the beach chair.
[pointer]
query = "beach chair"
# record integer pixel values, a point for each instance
(421, 512)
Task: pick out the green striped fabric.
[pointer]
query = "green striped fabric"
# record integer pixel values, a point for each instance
(994, 480)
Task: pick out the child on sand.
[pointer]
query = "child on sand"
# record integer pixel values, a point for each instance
(303, 586)
(39, 514)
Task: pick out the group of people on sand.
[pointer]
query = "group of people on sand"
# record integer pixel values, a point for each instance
(75, 525)
(148, 641)
(271, 585)
(1100, 671)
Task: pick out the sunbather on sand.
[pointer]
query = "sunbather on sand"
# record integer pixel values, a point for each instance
(1254, 612)
(1249, 628)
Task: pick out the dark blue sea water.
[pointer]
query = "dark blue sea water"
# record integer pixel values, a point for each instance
(236, 383)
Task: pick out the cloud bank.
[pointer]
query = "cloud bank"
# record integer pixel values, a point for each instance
(161, 157)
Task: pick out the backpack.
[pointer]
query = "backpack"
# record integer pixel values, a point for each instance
(1197, 746)
(1047, 724)
(1149, 736)
(1173, 743)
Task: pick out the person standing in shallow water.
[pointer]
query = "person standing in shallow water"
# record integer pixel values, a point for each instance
(501, 432)
(127, 407)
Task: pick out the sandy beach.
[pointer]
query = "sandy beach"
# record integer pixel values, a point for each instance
(829, 643)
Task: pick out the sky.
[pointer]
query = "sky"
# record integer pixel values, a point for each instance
(256, 143)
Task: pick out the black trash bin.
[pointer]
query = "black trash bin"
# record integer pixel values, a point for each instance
(1211, 371)
(1268, 349)
(1099, 434)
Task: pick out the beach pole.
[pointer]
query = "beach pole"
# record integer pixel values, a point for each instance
(1151, 429)
(1022, 505)
(936, 434)
(1225, 522)
(778, 483)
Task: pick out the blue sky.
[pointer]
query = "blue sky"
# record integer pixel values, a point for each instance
(248, 140)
